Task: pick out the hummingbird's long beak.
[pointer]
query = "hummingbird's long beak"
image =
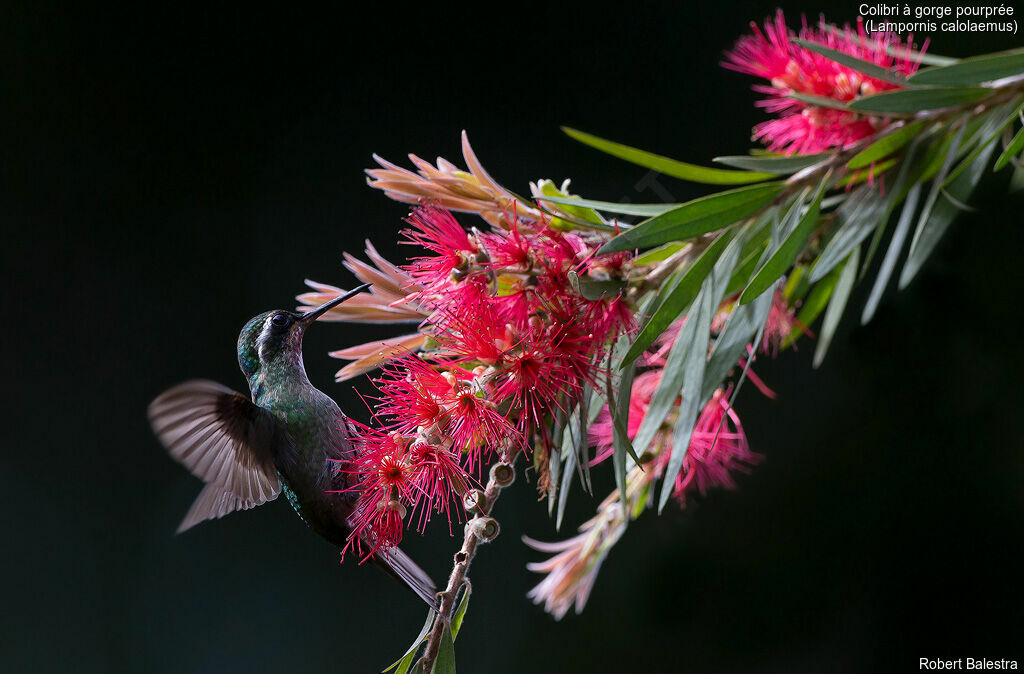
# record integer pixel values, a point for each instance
(310, 316)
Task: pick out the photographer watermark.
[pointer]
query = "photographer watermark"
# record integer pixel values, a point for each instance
(961, 664)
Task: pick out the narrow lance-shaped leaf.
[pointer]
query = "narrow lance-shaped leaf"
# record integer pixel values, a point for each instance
(644, 210)
(675, 296)
(812, 307)
(817, 101)
(700, 216)
(853, 63)
(787, 252)
(659, 254)
(886, 145)
(671, 382)
(933, 195)
(556, 456)
(910, 101)
(974, 70)
(900, 188)
(670, 167)
(731, 345)
(988, 133)
(892, 255)
(1012, 150)
(445, 661)
(405, 662)
(693, 341)
(840, 296)
(569, 204)
(929, 232)
(569, 438)
(618, 408)
(773, 164)
(460, 611)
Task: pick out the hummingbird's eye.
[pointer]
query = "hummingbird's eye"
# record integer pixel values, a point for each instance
(280, 320)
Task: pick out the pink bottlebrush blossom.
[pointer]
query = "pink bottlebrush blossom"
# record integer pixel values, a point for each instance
(439, 480)
(382, 478)
(411, 392)
(789, 68)
(439, 232)
(718, 447)
(780, 325)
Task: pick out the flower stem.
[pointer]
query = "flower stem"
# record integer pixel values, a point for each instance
(481, 528)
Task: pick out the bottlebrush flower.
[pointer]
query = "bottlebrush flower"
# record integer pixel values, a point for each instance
(507, 342)
(382, 479)
(439, 480)
(718, 447)
(790, 68)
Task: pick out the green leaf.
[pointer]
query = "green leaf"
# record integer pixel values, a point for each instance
(405, 662)
(670, 167)
(840, 296)
(788, 250)
(899, 51)
(885, 146)
(892, 254)
(974, 70)
(569, 203)
(909, 101)
(568, 449)
(812, 306)
(933, 195)
(693, 342)
(659, 254)
(595, 290)
(853, 63)
(445, 661)
(817, 101)
(777, 165)
(739, 331)
(896, 194)
(675, 295)
(1012, 150)
(857, 218)
(618, 408)
(644, 210)
(554, 463)
(755, 243)
(988, 133)
(929, 231)
(460, 610)
(700, 216)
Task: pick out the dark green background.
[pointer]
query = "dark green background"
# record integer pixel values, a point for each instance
(167, 174)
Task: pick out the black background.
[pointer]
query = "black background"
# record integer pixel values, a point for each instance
(166, 174)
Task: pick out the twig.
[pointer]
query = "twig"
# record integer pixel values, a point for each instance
(481, 528)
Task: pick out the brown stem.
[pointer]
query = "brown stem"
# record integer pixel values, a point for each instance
(480, 528)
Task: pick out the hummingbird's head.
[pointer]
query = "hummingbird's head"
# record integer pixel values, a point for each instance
(275, 337)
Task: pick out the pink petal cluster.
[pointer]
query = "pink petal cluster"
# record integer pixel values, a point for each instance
(789, 68)
(512, 342)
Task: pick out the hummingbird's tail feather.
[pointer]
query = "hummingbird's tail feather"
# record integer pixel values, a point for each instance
(400, 566)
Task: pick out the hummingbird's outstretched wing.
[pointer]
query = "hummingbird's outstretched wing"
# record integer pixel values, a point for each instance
(213, 502)
(224, 440)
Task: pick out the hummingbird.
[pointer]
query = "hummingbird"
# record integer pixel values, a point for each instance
(286, 436)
